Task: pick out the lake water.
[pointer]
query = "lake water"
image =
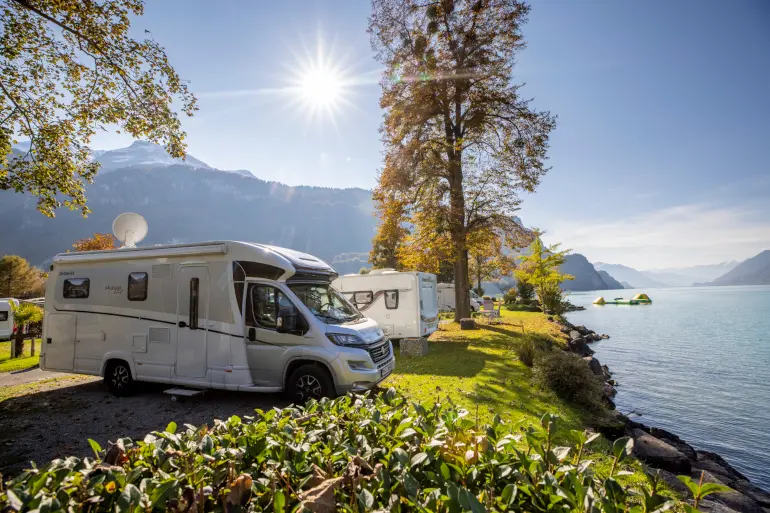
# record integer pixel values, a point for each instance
(696, 362)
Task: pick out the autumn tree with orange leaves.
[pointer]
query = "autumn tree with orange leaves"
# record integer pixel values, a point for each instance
(460, 142)
(96, 242)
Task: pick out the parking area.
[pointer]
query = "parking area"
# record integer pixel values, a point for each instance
(45, 420)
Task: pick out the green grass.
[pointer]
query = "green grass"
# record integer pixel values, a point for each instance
(7, 364)
(479, 370)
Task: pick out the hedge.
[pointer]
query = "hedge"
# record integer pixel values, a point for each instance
(354, 453)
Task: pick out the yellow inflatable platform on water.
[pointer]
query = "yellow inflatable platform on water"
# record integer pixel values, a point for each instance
(639, 299)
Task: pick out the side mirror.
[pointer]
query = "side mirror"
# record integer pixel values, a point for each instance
(252, 336)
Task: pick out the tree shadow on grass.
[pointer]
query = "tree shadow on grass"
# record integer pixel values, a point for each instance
(57, 422)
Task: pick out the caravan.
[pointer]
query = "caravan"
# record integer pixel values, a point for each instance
(227, 315)
(404, 304)
(6, 318)
(446, 298)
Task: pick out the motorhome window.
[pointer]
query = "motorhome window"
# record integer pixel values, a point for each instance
(243, 269)
(137, 286)
(76, 288)
(265, 303)
(391, 299)
(325, 302)
(363, 298)
(3, 316)
(194, 288)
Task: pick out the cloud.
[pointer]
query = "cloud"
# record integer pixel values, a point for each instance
(676, 236)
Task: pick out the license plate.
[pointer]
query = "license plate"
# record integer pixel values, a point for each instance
(386, 370)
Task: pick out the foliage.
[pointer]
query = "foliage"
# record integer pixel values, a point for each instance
(569, 377)
(390, 233)
(525, 291)
(460, 142)
(541, 270)
(24, 313)
(354, 453)
(96, 242)
(700, 490)
(487, 258)
(525, 351)
(68, 69)
(19, 279)
(364, 270)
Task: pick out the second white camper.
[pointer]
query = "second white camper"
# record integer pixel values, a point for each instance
(6, 317)
(404, 304)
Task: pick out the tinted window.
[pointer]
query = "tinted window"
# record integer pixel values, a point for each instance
(76, 288)
(391, 299)
(137, 286)
(3, 316)
(263, 305)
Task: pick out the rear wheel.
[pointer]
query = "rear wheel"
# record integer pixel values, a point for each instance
(118, 378)
(309, 382)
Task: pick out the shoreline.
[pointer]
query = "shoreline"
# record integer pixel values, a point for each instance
(663, 450)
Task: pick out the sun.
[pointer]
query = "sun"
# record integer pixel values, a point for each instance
(321, 87)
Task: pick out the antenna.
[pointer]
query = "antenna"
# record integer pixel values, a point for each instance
(129, 228)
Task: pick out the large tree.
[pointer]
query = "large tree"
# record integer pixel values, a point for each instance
(18, 278)
(460, 141)
(67, 69)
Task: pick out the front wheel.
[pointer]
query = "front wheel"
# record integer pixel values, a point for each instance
(309, 382)
(118, 379)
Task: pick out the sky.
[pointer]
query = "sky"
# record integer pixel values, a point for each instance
(660, 158)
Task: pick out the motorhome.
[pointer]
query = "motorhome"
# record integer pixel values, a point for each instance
(446, 298)
(404, 304)
(6, 317)
(226, 315)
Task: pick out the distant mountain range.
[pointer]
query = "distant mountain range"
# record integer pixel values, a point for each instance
(586, 277)
(672, 277)
(185, 201)
(754, 271)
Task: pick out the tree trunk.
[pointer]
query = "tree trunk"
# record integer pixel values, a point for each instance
(462, 283)
(478, 276)
(19, 342)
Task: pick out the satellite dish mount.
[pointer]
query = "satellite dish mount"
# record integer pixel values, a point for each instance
(129, 228)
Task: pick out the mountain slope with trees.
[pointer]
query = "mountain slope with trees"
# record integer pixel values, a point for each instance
(586, 277)
(754, 271)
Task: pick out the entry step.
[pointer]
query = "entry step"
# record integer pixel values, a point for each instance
(183, 392)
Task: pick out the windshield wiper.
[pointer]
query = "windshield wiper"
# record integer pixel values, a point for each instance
(333, 320)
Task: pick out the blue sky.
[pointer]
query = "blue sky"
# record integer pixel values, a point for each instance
(660, 157)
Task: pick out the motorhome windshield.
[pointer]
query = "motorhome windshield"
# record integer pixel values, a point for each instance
(474, 295)
(325, 303)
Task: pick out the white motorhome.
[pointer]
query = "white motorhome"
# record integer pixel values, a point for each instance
(404, 304)
(6, 317)
(228, 315)
(446, 298)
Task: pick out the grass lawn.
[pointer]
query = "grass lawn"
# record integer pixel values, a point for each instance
(479, 370)
(7, 364)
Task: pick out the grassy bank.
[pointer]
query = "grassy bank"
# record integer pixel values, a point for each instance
(8, 364)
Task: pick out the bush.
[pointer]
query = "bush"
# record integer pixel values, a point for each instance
(509, 296)
(569, 377)
(552, 300)
(525, 291)
(526, 351)
(358, 453)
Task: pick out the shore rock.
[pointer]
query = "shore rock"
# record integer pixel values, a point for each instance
(659, 454)
(674, 483)
(574, 335)
(594, 365)
(732, 499)
(580, 347)
(609, 391)
(673, 440)
(714, 507)
(714, 463)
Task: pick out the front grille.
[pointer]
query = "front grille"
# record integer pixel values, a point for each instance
(379, 353)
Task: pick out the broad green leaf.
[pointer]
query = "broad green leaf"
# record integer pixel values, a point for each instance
(509, 494)
(95, 447)
(419, 458)
(622, 447)
(709, 488)
(279, 501)
(130, 497)
(366, 498)
(171, 428)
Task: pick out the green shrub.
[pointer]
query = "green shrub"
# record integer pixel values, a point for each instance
(525, 291)
(509, 297)
(354, 454)
(569, 377)
(526, 351)
(522, 308)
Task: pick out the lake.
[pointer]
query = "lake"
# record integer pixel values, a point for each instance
(696, 362)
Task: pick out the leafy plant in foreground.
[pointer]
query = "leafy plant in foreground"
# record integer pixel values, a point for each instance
(355, 453)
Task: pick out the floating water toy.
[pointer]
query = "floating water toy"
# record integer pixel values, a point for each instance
(639, 299)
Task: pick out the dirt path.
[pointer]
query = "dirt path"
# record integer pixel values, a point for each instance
(55, 418)
(9, 379)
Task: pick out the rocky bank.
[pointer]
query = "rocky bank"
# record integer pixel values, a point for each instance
(665, 451)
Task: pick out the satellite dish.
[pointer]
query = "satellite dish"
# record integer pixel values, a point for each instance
(129, 228)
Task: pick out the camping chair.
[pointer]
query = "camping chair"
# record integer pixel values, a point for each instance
(489, 312)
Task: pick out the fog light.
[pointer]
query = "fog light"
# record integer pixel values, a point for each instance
(357, 366)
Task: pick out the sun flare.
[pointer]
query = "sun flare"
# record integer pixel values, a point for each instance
(321, 87)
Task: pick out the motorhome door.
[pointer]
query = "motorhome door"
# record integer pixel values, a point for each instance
(60, 333)
(192, 308)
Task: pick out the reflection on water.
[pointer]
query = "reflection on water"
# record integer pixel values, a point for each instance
(696, 361)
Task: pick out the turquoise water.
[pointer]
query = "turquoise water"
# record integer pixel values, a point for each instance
(697, 362)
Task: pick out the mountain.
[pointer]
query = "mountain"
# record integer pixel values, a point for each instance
(630, 275)
(586, 277)
(191, 201)
(754, 271)
(687, 276)
(627, 285)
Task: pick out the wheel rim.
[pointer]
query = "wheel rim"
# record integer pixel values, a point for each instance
(120, 377)
(308, 387)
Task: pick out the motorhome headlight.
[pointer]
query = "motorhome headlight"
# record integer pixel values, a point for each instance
(344, 339)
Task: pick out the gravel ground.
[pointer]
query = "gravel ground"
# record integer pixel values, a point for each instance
(54, 418)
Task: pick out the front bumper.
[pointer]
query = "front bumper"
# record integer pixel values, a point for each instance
(350, 379)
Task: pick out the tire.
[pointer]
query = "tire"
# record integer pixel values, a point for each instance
(118, 378)
(309, 382)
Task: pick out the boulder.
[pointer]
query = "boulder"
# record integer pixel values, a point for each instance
(582, 330)
(659, 454)
(605, 336)
(674, 483)
(609, 391)
(714, 463)
(606, 374)
(413, 347)
(673, 440)
(754, 493)
(580, 347)
(708, 506)
(594, 365)
(731, 499)
(596, 337)
(467, 324)
(574, 335)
